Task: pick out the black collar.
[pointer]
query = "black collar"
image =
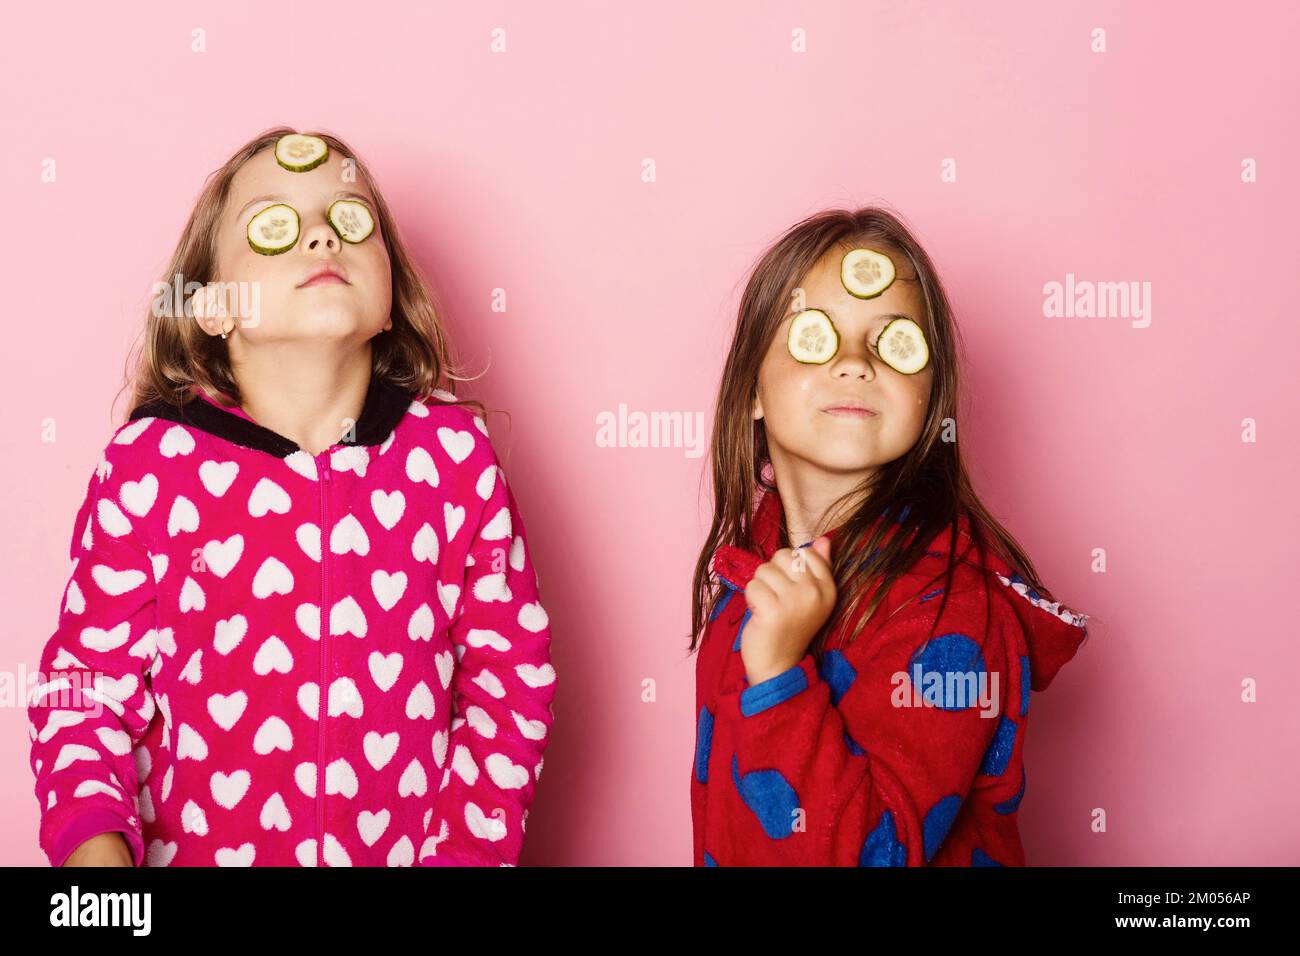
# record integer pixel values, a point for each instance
(384, 407)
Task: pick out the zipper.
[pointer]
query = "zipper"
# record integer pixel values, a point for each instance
(322, 714)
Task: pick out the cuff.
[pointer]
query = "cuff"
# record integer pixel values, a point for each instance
(776, 690)
(92, 823)
(455, 859)
(739, 700)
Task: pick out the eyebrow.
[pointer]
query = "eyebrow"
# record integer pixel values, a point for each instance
(890, 316)
(279, 197)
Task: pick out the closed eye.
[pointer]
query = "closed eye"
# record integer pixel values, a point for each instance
(248, 210)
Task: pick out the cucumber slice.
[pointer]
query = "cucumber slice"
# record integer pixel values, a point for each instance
(298, 152)
(813, 339)
(902, 346)
(274, 230)
(866, 273)
(350, 219)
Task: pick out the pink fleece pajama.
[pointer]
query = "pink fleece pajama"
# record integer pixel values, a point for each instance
(265, 657)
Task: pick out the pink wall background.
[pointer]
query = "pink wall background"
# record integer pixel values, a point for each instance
(522, 171)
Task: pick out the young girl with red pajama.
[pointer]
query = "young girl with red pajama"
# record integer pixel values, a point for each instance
(868, 635)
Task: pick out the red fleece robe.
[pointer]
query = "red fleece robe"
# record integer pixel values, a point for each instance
(895, 750)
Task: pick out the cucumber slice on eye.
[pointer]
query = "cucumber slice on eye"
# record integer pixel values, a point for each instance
(902, 346)
(350, 219)
(298, 152)
(866, 273)
(813, 339)
(274, 230)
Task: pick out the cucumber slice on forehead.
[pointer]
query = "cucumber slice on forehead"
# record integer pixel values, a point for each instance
(813, 339)
(350, 219)
(902, 346)
(298, 152)
(866, 273)
(274, 230)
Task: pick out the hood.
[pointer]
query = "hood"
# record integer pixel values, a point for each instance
(384, 407)
(1052, 631)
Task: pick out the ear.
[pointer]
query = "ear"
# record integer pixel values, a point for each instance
(758, 407)
(204, 305)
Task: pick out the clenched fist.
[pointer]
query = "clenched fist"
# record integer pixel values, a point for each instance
(789, 598)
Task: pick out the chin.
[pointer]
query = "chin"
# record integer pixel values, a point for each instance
(858, 467)
(848, 461)
(333, 323)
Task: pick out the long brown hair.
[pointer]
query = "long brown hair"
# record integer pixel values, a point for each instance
(174, 356)
(923, 491)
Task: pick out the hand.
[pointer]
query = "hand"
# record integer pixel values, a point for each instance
(103, 849)
(790, 598)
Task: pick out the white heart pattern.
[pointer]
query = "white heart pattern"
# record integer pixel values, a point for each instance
(218, 476)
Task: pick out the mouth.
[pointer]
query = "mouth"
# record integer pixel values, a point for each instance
(850, 410)
(326, 274)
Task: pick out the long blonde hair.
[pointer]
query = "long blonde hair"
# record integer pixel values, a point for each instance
(175, 357)
(923, 491)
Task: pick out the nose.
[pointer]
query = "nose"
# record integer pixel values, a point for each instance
(318, 237)
(853, 361)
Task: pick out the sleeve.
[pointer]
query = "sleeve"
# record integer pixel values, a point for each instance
(502, 688)
(840, 765)
(91, 702)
